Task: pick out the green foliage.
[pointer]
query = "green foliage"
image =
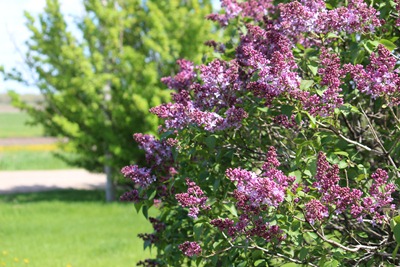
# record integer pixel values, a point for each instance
(99, 84)
(358, 137)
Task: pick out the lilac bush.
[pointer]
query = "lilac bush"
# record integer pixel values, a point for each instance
(282, 149)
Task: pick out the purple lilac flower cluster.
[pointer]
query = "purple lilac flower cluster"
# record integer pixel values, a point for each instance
(271, 68)
(140, 176)
(345, 198)
(268, 189)
(249, 228)
(194, 199)
(184, 78)
(332, 194)
(284, 121)
(202, 104)
(254, 194)
(310, 16)
(379, 78)
(315, 211)
(158, 154)
(305, 16)
(331, 74)
(190, 249)
(131, 196)
(380, 196)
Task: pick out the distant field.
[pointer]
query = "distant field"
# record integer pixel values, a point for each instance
(72, 228)
(14, 125)
(15, 160)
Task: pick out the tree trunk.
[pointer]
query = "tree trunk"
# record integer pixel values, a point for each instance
(110, 188)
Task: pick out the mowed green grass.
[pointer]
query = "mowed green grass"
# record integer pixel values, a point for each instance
(73, 228)
(30, 160)
(14, 125)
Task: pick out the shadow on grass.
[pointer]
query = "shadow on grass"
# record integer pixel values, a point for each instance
(68, 195)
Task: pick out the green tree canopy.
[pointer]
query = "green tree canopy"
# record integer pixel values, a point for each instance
(99, 81)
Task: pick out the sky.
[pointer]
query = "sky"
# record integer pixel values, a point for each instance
(13, 34)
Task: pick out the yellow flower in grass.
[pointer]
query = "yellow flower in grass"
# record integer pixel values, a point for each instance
(5, 252)
(26, 261)
(3, 264)
(16, 259)
(69, 265)
(42, 147)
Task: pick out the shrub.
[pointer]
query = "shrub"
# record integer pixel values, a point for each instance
(283, 150)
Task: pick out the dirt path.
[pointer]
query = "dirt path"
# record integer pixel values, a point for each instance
(34, 181)
(23, 141)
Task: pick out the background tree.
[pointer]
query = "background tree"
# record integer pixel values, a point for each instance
(99, 81)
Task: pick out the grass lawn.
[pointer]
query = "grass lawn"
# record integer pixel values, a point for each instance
(70, 228)
(14, 160)
(14, 125)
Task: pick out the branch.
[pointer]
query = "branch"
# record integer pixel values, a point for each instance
(347, 139)
(353, 249)
(380, 142)
(281, 255)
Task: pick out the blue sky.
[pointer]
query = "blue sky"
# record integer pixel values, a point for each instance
(13, 33)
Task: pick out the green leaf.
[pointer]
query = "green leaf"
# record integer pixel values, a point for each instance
(397, 219)
(313, 121)
(211, 141)
(287, 110)
(231, 208)
(332, 35)
(198, 230)
(264, 109)
(313, 66)
(260, 263)
(342, 153)
(303, 253)
(145, 211)
(388, 44)
(306, 84)
(396, 232)
(291, 264)
(331, 263)
(394, 254)
(342, 164)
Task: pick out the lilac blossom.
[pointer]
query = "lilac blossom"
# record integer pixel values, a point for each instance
(268, 189)
(194, 199)
(310, 16)
(190, 249)
(211, 105)
(131, 196)
(284, 121)
(140, 176)
(345, 198)
(272, 67)
(157, 152)
(327, 183)
(184, 78)
(379, 78)
(315, 211)
(331, 74)
(380, 193)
